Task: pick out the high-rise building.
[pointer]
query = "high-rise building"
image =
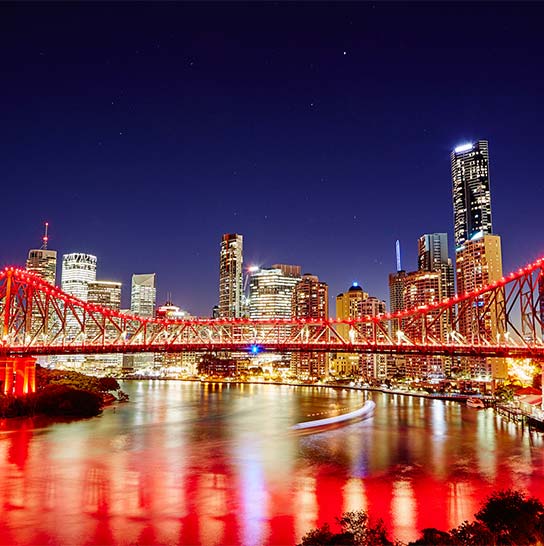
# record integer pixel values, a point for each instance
(43, 262)
(271, 292)
(310, 300)
(479, 263)
(106, 294)
(433, 256)
(356, 304)
(423, 288)
(471, 192)
(78, 270)
(230, 275)
(143, 295)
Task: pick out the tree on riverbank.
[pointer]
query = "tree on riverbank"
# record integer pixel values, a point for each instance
(62, 393)
(507, 518)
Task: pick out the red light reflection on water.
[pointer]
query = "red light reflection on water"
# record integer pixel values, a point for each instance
(167, 476)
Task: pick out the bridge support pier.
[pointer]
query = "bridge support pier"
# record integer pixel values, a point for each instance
(17, 375)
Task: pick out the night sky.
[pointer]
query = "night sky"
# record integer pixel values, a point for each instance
(321, 132)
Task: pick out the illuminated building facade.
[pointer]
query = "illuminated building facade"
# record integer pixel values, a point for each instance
(310, 300)
(106, 294)
(78, 270)
(422, 288)
(230, 275)
(43, 262)
(433, 256)
(143, 295)
(356, 304)
(271, 292)
(176, 364)
(479, 263)
(471, 191)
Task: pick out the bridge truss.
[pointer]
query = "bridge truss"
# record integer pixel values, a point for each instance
(505, 319)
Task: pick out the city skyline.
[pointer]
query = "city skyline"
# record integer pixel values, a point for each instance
(310, 152)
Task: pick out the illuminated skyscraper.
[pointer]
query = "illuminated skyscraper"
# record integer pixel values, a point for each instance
(271, 293)
(423, 288)
(356, 304)
(310, 300)
(106, 294)
(43, 262)
(479, 263)
(78, 270)
(471, 193)
(230, 275)
(143, 295)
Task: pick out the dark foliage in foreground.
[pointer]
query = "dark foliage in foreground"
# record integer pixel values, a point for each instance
(507, 518)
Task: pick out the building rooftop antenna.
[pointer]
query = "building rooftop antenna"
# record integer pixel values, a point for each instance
(45, 237)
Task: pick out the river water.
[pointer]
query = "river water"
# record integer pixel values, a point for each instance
(215, 464)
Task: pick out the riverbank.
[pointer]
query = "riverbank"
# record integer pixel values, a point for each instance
(61, 393)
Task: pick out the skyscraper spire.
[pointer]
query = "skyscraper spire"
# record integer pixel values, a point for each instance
(45, 237)
(397, 251)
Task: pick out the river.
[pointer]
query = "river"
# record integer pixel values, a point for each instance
(215, 464)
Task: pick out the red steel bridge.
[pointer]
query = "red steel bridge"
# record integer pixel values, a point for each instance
(504, 319)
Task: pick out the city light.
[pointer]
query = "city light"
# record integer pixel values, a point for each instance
(464, 148)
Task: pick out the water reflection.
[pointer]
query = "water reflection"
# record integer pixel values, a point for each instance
(186, 463)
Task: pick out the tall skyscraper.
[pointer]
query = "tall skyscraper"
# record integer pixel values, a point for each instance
(423, 288)
(78, 270)
(43, 262)
(310, 300)
(479, 263)
(143, 295)
(471, 192)
(271, 292)
(230, 275)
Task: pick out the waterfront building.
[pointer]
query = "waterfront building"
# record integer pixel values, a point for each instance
(143, 296)
(422, 288)
(310, 300)
(355, 303)
(433, 255)
(176, 364)
(231, 276)
(349, 305)
(471, 191)
(479, 263)
(106, 294)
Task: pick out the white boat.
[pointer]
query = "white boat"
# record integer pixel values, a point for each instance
(477, 403)
(314, 426)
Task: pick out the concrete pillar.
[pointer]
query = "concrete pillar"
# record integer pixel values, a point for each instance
(18, 375)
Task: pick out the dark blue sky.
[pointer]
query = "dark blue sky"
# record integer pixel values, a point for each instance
(321, 132)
